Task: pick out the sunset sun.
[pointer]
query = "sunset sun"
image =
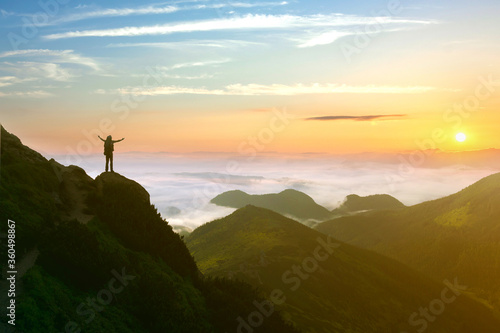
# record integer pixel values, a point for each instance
(460, 137)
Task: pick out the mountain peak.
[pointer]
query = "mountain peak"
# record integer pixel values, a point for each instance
(292, 191)
(289, 202)
(113, 179)
(255, 211)
(354, 203)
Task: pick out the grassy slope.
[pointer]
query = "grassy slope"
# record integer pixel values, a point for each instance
(353, 291)
(458, 235)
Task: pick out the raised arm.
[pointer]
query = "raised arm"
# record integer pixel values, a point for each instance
(115, 141)
(101, 138)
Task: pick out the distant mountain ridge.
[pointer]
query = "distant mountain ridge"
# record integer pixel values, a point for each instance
(457, 235)
(325, 285)
(302, 207)
(288, 202)
(354, 203)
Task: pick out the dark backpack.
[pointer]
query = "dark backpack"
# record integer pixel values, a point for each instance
(108, 147)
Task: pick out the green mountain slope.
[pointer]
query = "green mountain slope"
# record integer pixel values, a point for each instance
(458, 235)
(354, 203)
(107, 261)
(288, 202)
(323, 285)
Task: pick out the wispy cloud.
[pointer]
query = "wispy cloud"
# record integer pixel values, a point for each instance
(155, 10)
(6, 81)
(323, 38)
(188, 77)
(247, 22)
(43, 66)
(316, 38)
(114, 12)
(275, 89)
(177, 76)
(60, 56)
(223, 44)
(6, 13)
(281, 89)
(27, 71)
(359, 118)
(175, 71)
(194, 64)
(26, 94)
(54, 71)
(235, 5)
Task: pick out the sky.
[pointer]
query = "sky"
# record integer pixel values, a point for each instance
(242, 76)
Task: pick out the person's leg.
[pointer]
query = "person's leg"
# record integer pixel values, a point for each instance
(107, 162)
(111, 161)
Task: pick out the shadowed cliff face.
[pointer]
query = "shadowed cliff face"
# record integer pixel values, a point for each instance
(75, 186)
(124, 205)
(29, 192)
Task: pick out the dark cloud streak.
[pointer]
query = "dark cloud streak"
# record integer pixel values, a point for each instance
(358, 118)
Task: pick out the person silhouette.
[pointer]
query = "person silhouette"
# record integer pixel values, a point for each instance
(109, 147)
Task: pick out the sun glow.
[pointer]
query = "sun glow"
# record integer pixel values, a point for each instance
(460, 137)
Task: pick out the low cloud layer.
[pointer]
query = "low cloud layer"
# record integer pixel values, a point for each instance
(182, 186)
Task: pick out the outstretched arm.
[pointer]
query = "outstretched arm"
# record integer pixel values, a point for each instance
(115, 141)
(101, 138)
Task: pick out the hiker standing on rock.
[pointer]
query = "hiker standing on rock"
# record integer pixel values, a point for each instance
(109, 147)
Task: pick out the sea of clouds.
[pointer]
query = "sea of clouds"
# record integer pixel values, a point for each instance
(181, 186)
